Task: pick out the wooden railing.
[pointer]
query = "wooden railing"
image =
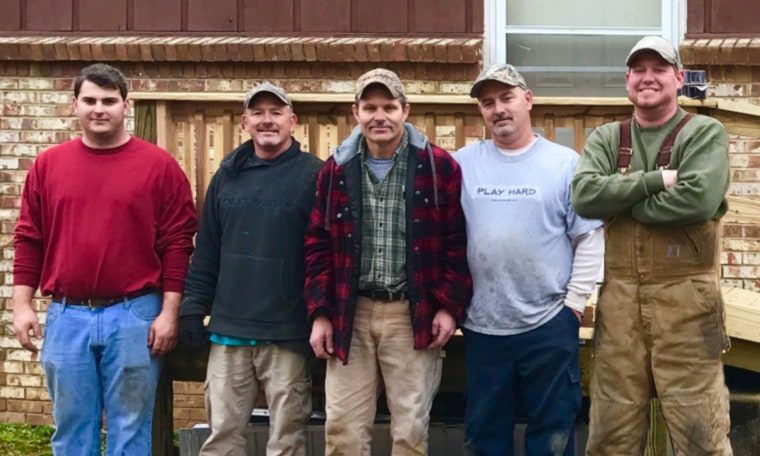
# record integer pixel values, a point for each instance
(200, 129)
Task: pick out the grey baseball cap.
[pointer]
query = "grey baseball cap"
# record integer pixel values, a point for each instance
(499, 72)
(387, 78)
(657, 44)
(266, 87)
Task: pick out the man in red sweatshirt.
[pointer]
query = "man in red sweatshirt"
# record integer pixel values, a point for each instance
(106, 228)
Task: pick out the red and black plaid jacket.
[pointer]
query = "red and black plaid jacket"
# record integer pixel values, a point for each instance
(436, 259)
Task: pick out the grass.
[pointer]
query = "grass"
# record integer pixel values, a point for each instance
(25, 440)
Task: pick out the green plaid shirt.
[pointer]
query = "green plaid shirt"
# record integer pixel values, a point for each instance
(383, 262)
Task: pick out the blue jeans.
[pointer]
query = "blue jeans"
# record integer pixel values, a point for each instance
(96, 360)
(539, 369)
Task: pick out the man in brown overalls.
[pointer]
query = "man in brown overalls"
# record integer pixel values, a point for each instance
(659, 182)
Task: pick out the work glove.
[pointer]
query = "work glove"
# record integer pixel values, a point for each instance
(192, 333)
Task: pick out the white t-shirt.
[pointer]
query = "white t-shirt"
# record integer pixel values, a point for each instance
(520, 228)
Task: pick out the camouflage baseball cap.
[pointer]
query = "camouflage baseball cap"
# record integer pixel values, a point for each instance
(266, 87)
(500, 72)
(387, 78)
(657, 44)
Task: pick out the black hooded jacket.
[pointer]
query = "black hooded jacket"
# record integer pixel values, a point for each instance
(247, 270)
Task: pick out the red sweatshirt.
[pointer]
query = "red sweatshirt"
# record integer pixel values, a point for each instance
(104, 223)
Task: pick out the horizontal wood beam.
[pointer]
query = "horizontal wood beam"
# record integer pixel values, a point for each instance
(743, 354)
(413, 98)
(742, 210)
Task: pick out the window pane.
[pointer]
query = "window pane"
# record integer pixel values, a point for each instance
(556, 65)
(602, 84)
(577, 51)
(585, 13)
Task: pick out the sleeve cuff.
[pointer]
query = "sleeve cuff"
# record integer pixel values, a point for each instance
(576, 301)
(319, 312)
(30, 280)
(176, 286)
(653, 182)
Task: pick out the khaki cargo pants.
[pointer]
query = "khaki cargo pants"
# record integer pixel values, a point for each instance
(659, 331)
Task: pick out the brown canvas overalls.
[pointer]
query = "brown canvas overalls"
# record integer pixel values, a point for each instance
(659, 331)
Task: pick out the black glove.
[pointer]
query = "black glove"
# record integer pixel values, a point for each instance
(192, 333)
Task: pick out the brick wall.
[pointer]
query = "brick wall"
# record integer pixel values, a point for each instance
(732, 68)
(741, 241)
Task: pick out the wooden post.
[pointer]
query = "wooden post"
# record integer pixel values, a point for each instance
(163, 417)
(657, 437)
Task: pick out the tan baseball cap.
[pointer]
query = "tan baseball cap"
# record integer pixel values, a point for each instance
(266, 87)
(500, 72)
(387, 78)
(657, 44)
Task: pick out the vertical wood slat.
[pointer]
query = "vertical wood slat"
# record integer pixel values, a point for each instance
(200, 148)
(579, 133)
(188, 159)
(314, 135)
(326, 140)
(301, 133)
(430, 127)
(227, 140)
(459, 130)
(344, 128)
(166, 133)
(550, 127)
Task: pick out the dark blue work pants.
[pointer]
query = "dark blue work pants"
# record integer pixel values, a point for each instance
(538, 369)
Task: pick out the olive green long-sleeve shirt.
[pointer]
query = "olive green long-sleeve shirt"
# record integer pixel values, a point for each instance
(700, 154)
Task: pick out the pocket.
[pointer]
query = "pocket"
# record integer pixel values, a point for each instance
(146, 307)
(574, 322)
(435, 205)
(54, 311)
(251, 278)
(302, 400)
(691, 246)
(574, 373)
(708, 294)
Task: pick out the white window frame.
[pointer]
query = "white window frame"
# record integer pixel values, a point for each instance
(496, 31)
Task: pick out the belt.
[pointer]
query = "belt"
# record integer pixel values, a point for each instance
(383, 295)
(101, 302)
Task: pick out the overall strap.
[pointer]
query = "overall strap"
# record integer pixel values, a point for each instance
(625, 151)
(663, 158)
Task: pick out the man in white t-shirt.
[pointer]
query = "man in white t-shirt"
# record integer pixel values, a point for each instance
(534, 263)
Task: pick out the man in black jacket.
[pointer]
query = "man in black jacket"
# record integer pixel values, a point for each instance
(247, 273)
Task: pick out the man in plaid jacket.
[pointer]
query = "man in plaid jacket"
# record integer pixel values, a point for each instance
(386, 271)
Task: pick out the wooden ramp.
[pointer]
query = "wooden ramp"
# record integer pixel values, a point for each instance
(742, 314)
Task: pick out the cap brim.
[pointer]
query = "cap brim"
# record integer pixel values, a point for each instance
(383, 84)
(274, 94)
(475, 90)
(634, 55)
